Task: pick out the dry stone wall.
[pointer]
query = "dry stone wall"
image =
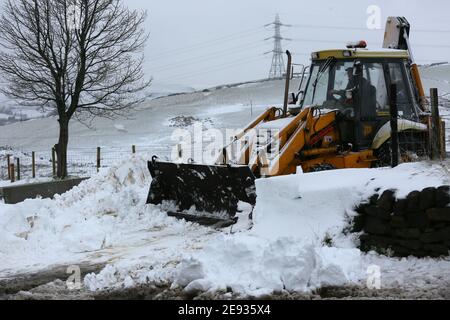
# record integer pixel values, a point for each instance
(418, 225)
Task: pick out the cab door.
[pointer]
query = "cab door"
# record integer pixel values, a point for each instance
(374, 102)
(406, 102)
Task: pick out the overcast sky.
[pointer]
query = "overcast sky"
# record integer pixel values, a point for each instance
(207, 42)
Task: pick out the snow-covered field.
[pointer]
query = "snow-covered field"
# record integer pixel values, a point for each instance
(148, 125)
(297, 242)
(437, 77)
(12, 112)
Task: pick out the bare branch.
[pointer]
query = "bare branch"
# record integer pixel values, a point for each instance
(73, 55)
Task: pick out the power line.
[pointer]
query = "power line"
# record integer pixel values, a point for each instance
(209, 69)
(210, 56)
(277, 66)
(219, 67)
(208, 43)
(306, 26)
(345, 41)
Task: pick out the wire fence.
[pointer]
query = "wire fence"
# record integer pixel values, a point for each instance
(445, 100)
(81, 162)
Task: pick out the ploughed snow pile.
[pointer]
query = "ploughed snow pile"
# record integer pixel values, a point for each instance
(296, 243)
(102, 212)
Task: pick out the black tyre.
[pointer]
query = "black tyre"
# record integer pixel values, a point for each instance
(412, 147)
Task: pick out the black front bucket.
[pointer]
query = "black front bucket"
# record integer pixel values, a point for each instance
(201, 192)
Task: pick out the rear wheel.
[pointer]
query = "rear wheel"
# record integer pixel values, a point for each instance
(412, 147)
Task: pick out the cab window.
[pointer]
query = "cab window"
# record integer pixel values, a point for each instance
(318, 95)
(375, 97)
(343, 77)
(405, 107)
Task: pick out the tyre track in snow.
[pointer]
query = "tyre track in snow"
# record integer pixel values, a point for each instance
(15, 283)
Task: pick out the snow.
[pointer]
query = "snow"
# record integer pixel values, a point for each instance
(146, 125)
(120, 127)
(105, 219)
(158, 90)
(437, 77)
(282, 210)
(249, 264)
(6, 183)
(87, 218)
(336, 266)
(218, 110)
(276, 124)
(11, 112)
(311, 205)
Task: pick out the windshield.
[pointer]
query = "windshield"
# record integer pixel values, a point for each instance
(327, 86)
(337, 85)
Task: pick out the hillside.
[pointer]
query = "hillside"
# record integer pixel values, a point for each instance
(225, 106)
(149, 123)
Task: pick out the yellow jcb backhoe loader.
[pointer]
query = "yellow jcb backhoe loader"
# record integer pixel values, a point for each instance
(340, 118)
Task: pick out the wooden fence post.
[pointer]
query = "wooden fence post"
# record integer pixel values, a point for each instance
(8, 161)
(435, 125)
(54, 162)
(11, 172)
(33, 164)
(443, 141)
(394, 126)
(18, 169)
(98, 159)
(180, 151)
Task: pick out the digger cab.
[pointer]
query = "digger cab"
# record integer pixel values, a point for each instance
(357, 82)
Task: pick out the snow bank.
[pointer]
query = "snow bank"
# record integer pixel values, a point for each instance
(248, 264)
(337, 266)
(101, 212)
(317, 205)
(296, 243)
(242, 263)
(286, 249)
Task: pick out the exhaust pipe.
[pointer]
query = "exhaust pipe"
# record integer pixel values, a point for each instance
(288, 80)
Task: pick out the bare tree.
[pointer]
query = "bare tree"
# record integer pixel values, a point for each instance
(75, 56)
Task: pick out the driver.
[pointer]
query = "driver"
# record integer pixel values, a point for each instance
(353, 80)
(346, 103)
(352, 83)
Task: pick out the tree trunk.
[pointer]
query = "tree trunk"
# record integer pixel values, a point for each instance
(61, 149)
